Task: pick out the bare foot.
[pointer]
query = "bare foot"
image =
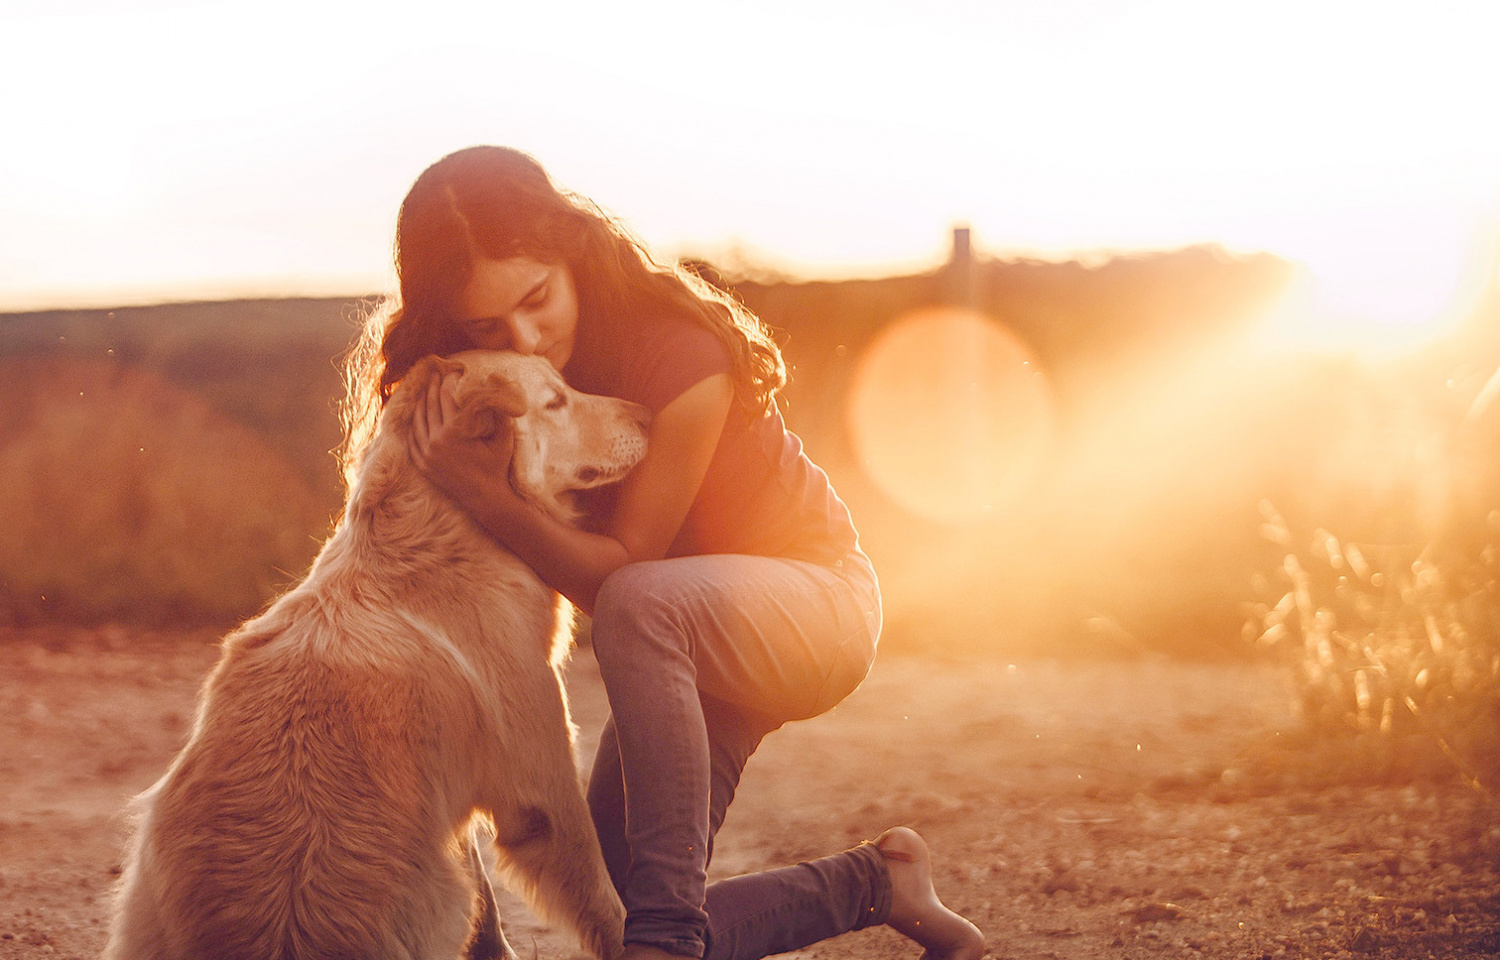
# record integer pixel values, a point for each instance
(916, 911)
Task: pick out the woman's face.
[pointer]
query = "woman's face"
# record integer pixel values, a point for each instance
(522, 305)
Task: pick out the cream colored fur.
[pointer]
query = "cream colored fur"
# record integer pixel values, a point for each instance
(351, 737)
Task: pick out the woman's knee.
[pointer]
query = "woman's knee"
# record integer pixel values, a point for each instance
(632, 615)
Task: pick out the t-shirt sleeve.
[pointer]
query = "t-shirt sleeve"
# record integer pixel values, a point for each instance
(682, 355)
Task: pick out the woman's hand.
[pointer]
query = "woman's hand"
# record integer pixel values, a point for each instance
(654, 497)
(471, 469)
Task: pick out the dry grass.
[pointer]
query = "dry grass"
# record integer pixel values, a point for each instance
(127, 498)
(1391, 641)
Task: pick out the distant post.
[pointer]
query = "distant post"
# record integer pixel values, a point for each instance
(960, 270)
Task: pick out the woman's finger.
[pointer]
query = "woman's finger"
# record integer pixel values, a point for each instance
(448, 396)
(504, 440)
(433, 406)
(417, 442)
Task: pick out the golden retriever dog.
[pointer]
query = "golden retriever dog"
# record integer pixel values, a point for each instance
(354, 738)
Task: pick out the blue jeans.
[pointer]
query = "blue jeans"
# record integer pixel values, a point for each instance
(702, 657)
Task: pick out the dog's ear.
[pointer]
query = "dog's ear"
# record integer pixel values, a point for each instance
(422, 372)
(480, 416)
(477, 421)
(409, 390)
(510, 399)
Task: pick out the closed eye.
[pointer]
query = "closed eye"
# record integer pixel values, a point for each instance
(557, 402)
(480, 326)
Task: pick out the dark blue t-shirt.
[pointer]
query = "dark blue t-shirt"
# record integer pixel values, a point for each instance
(761, 494)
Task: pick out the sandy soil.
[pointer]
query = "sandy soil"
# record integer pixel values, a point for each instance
(1080, 810)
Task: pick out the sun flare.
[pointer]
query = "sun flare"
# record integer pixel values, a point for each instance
(950, 414)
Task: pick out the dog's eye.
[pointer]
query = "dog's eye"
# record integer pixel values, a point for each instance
(557, 402)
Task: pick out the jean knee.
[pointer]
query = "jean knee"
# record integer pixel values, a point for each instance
(632, 618)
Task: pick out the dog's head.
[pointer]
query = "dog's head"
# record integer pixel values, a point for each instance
(564, 440)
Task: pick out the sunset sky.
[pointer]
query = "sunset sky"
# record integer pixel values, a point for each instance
(181, 150)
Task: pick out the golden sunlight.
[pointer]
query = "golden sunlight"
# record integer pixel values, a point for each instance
(950, 414)
(1377, 294)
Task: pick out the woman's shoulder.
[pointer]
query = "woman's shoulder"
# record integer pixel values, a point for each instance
(673, 337)
(676, 354)
(651, 360)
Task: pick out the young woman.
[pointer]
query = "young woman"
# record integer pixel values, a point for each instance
(725, 580)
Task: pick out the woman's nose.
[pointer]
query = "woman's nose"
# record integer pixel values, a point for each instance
(524, 336)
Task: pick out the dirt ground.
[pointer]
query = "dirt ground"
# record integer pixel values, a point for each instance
(1080, 810)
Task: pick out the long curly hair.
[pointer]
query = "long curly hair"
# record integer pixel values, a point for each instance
(490, 202)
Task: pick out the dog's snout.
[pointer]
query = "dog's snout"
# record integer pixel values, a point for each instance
(640, 413)
(588, 474)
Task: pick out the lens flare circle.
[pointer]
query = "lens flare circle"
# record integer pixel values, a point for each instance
(950, 414)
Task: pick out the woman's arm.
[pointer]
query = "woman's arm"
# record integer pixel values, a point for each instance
(653, 501)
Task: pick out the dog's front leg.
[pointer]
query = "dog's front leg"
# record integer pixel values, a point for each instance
(555, 854)
(488, 941)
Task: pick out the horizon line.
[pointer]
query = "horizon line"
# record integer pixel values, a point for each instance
(735, 265)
